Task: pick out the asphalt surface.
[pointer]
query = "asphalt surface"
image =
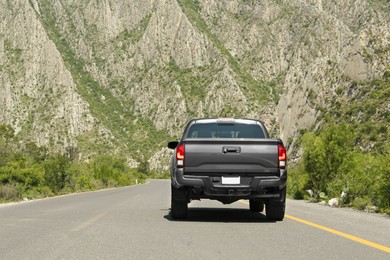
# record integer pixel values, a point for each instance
(134, 223)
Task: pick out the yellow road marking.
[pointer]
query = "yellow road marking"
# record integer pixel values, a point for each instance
(342, 234)
(336, 232)
(88, 222)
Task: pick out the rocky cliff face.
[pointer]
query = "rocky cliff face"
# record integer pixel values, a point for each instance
(38, 93)
(114, 76)
(309, 47)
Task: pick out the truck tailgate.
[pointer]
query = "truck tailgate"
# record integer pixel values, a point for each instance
(233, 157)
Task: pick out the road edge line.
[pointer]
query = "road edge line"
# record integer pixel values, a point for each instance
(342, 234)
(336, 232)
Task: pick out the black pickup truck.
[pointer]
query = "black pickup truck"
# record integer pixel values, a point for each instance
(228, 160)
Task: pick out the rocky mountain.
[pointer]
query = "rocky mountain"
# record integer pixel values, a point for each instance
(123, 77)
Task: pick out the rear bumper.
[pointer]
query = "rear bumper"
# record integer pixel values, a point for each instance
(250, 186)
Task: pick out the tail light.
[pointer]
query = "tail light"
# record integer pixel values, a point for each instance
(180, 155)
(282, 156)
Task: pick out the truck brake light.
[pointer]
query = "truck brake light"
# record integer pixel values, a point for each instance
(180, 155)
(282, 156)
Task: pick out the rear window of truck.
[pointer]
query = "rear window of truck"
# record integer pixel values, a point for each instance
(218, 130)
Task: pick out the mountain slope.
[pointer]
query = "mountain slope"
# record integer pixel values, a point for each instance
(123, 77)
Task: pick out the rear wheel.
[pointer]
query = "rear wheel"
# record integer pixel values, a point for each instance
(275, 209)
(256, 205)
(179, 204)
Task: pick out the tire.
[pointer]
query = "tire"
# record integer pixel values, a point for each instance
(179, 204)
(275, 209)
(275, 212)
(256, 205)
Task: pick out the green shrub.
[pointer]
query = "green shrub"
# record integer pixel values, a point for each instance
(360, 176)
(23, 173)
(111, 171)
(57, 174)
(335, 164)
(29, 171)
(297, 182)
(84, 182)
(382, 195)
(36, 192)
(361, 203)
(325, 153)
(8, 192)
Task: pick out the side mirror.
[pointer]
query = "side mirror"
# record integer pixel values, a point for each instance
(172, 145)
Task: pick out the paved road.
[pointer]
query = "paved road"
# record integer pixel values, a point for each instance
(134, 223)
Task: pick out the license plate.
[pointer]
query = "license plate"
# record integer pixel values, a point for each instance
(230, 180)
